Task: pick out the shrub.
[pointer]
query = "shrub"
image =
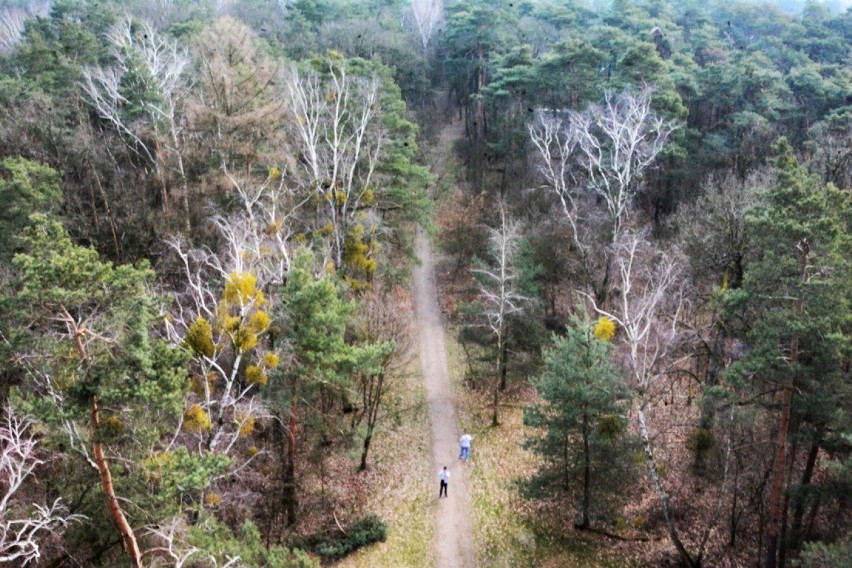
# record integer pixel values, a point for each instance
(361, 533)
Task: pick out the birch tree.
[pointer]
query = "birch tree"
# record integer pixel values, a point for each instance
(651, 296)
(425, 17)
(13, 20)
(618, 141)
(138, 97)
(556, 161)
(605, 149)
(499, 289)
(222, 313)
(340, 139)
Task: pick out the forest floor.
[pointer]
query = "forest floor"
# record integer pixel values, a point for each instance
(453, 537)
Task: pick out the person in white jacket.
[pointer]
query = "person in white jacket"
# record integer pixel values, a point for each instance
(444, 475)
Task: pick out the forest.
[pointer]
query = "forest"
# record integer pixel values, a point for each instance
(211, 234)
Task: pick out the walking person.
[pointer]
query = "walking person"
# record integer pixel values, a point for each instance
(444, 474)
(464, 442)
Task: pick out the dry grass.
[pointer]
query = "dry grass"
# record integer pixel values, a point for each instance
(397, 488)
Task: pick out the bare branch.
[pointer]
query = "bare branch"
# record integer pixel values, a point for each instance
(12, 20)
(20, 535)
(340, 139)
(618, 141)
(425, 17)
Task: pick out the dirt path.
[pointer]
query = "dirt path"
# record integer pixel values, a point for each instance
(453, 542)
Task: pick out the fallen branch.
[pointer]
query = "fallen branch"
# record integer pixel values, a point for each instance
(333, 514)
(605, 532)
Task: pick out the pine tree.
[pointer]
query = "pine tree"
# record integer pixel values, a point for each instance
(106, 389)
(581, 417)
(796, 299)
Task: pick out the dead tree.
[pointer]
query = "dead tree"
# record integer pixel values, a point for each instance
(651, 298)
(499, 288)
(340, 140)
(425, 17)
(139, 51)
(222, 309)
(603, 151)
(618, 142)
(12, 22)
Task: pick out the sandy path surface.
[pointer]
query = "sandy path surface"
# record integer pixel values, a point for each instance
(453, 544)
(453, 534)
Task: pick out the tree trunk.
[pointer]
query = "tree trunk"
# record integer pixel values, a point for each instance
(161, 175)
(601, 291)
(664, 497)
(734, 521)
(799, 512)
(783, 544)
(499, 385)
(504, 363)
(187, 225)
(587, 475)
(478, 103)
(371, 405)
(494, 417)
(289, 497)
(366, 449)
(130, 545)
(777, 486)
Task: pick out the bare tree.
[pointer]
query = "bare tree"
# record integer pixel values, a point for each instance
(222, 310)
(557, 163)
(831, 143)
(499, 289)
(551, 134)
(21, 529)
(618, 141)
(257, 237)
(713, 230)
(138, 51)
(171, 550)
(651, 298)
(425, 17)
(603, 151)
(12, 20)
(340, 139)
(383, 323)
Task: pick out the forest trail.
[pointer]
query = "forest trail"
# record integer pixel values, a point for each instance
(453, 540)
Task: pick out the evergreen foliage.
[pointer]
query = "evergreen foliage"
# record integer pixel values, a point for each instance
(584, 431)
(191, 427)
(362, 532)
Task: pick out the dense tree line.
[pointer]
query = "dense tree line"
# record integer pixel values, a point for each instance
(675, 168)
(205, 225)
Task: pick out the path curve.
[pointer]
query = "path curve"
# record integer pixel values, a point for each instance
(453, 544)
